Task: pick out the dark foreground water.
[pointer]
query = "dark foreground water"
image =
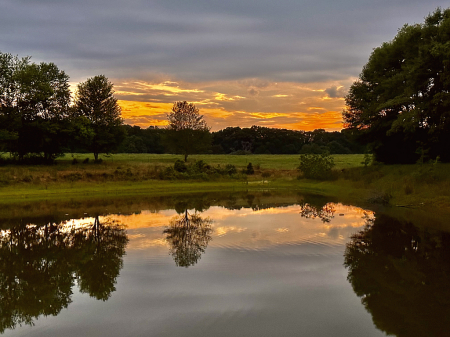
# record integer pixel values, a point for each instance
(214, 265)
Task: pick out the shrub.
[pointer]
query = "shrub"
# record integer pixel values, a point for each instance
(367, 159)
(180, 166)
(316, 166)
(230, 169)
(200, 167)
(250, 169)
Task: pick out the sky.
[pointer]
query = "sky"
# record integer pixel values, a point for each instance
(284, 64)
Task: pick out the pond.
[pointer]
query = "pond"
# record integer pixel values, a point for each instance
(239, 264)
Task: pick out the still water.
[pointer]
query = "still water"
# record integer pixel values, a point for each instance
(212, 265)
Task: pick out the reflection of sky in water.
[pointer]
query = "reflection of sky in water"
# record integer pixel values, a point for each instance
(252, 229)
(264, 273)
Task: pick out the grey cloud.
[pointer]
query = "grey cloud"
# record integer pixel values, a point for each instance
(205, 40)
(335, 92)
(253, 92)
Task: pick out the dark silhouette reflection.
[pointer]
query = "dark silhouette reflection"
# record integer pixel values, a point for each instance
(102, 248)
(188, 236)
(324, 212)
(39, 265)
(402, 274)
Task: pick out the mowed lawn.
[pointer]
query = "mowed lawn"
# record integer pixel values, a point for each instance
(264, 161)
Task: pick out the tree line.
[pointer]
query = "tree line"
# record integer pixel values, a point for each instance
(40, 120)
(253, 140)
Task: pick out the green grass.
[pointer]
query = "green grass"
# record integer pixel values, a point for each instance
(130, 174)
(273, 161)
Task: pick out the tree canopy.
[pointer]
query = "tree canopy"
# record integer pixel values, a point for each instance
(400, 104)
(96, 104)
(187, 132)
(34, 107)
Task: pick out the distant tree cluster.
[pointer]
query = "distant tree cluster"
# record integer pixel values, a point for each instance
(400, 105)
(236, 140)
(263, 140)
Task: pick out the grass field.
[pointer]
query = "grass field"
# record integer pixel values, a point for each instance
(133, 174)
(273, 161)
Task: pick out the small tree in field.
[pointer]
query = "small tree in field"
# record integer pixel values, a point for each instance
(187, 132)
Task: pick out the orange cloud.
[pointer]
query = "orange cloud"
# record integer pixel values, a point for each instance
(228, 103)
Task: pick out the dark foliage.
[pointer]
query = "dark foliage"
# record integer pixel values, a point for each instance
(317, 166)
(401, 273)
(400, 104)
(262, 140)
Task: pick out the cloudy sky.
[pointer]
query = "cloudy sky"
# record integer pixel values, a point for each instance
(285, 63)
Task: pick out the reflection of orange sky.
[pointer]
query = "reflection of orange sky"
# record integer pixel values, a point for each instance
(234, 103)
(256, 229)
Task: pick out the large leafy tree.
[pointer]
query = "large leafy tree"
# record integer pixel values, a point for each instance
(34, 107)
(187, 132)
(400, 104)
(96, 106)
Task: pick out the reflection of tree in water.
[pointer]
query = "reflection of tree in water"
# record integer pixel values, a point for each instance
(38, 266)
(188, 236)
(102, 249)
(323, 212)
(402, 275)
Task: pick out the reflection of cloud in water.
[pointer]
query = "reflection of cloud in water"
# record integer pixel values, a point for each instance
(333, 232)
(258, 229)
(146, 219)
(221, 231)
(142, 242)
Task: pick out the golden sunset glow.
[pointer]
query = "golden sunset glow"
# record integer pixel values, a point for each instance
(234, 103)
(253, 225)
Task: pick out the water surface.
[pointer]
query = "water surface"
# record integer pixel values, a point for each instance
(212, 265)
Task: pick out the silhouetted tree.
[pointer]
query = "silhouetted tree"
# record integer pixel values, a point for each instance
(400, 104)
(187, 132)
(96, 104)
(34, 107)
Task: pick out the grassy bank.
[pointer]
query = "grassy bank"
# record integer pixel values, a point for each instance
(401, 185)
